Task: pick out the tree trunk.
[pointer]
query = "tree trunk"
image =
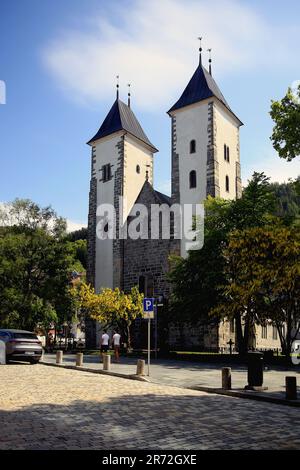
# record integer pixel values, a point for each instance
(239, 335)
(128, 337)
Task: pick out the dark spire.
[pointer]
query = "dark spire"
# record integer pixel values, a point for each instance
(121, 117)
(117, 77)
(209, 61)
(200, 51)
(128, 95)
(147, 172)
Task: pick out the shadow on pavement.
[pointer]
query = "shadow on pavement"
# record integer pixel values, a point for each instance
(151, 421)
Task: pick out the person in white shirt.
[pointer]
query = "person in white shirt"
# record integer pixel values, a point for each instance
(117, 342)
(104, 343)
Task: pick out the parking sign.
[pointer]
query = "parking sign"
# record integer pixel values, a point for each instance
(148, 305)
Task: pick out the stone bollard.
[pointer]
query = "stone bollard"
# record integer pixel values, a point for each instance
(291, 388)
(79, 359)
(59, 357)
(140, 367)
(226, 378)
(106, 362)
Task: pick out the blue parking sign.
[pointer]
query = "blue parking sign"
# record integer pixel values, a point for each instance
(148, 304)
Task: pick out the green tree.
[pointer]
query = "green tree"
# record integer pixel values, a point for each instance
(195, 280)
(286, 133)
(35, 266)
(287, 201)
(111, 307)
(262, 267)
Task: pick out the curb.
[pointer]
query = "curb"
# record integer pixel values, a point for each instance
(250, 396)
(95, 371)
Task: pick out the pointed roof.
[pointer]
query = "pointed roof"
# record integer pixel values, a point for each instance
(200, 87)
(121, 117)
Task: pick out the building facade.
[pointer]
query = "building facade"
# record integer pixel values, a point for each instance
(205, 161)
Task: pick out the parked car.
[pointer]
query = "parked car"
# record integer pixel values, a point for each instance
(21, 345)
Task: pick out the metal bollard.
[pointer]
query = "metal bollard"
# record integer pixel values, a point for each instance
(79, 359)
(140, 367)
(106, 362)
(291, 388)
(59, 357)
(226, 378)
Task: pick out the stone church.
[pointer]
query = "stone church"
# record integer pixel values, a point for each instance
(205, 161)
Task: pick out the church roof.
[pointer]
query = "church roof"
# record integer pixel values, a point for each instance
(164, 199)
(121, 117)
(200, 87)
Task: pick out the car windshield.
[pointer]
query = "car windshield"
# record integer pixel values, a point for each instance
(24, 336)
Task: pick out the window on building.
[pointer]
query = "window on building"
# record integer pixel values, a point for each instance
(192, 146)
(231, 326)
(138, 169)
(275, 333)
(142, 284)
(264, 332)
(193, 179)
(227, 183)
(226, 153)
(106, 172)
(146, 285)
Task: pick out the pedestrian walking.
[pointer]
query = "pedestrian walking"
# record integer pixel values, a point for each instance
(104, 343)
(117, 343)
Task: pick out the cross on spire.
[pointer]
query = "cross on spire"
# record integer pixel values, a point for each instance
(209, 60)
(129, 85)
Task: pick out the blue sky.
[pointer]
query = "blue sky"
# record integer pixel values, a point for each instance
(59, 59)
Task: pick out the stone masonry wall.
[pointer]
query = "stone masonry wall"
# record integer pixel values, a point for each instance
(212, 172)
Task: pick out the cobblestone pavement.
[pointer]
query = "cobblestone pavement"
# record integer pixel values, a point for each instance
(50, 408)
(191, 374)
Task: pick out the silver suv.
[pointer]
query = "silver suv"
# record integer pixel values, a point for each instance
(21, 345)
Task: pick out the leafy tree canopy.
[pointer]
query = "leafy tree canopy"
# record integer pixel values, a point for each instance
(286, 133)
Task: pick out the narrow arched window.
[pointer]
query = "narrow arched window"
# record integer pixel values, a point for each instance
(227, 183)
(227, 154)
(192, 146)
(138, 169)
(142, 284)
(193, 179)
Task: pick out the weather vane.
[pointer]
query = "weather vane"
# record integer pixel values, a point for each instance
(117, 77)
(200, 50)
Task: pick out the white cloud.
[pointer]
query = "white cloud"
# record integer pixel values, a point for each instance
(276, 168)
(75, 225)
(71, 224)
(155, 48)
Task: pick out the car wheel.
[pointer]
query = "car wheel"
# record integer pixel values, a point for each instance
(7, 359)
(34, 361)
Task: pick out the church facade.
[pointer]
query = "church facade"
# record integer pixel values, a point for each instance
(205, 161)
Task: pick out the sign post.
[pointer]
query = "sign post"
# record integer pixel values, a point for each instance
(148, 305)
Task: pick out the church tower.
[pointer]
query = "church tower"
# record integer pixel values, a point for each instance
(121, 161)
(205, 143)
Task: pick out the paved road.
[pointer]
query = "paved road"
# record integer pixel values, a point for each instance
(191, 374)
(51, 408)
